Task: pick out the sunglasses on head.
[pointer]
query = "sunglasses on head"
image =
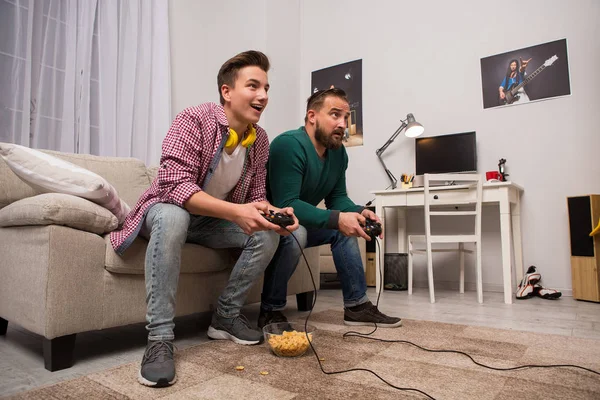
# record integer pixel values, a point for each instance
(322, 93)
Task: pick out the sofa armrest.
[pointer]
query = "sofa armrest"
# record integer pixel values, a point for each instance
(52, 279)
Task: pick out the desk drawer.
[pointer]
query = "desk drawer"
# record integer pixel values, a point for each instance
(447, 196)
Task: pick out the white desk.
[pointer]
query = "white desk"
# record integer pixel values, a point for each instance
(506, 194)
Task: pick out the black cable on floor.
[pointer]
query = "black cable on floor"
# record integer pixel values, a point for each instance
(351, 369)
(366, 336)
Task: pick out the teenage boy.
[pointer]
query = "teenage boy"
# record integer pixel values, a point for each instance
(210, 190)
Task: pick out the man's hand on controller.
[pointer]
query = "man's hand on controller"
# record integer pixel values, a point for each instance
(351, 224)
(290, 228)
(373, 217)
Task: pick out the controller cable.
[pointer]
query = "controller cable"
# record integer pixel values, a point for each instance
(366, 336)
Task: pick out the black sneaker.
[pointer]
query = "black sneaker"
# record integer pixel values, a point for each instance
(270, 317)
(158, 368)
(367, 314)
(236, 329)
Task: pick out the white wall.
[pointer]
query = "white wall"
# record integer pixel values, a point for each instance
(205, 34)
(422, 57)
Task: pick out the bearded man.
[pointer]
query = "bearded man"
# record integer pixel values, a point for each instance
(306, 166)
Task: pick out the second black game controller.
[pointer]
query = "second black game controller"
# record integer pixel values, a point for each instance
(280, 219)
(372, 228)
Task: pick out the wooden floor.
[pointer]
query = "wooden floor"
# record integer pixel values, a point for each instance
(22, 365)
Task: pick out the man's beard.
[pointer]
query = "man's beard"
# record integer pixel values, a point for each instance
(328, 141)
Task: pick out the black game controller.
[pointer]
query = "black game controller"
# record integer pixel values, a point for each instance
(282, 220)
(372, 228)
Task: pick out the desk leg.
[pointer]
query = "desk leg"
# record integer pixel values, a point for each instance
(517, 241)
(505, 218)
(379, 250)
(402, 237)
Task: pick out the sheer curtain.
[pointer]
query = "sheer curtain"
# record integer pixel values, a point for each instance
(85, 76)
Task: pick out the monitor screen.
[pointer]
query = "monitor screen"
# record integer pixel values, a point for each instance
(446, 154)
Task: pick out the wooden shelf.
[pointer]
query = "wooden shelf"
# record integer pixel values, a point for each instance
(584, 214)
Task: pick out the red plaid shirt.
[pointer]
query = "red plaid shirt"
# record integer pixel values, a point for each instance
(190, 151)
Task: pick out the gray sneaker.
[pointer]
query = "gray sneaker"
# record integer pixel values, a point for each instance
(158, 368)
(368, 314)
(236, 329)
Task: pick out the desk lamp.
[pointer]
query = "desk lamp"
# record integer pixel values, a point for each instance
(413, 129)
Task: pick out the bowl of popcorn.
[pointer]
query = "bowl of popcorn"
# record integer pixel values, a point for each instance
(288, 339)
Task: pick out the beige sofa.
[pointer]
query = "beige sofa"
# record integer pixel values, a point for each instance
(57, 281)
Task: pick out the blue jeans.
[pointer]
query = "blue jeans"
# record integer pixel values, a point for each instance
(346, 257)
(167, 227)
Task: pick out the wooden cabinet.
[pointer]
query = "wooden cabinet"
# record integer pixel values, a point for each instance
(584, 214)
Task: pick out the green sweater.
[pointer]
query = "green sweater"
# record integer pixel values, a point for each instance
(299, 178)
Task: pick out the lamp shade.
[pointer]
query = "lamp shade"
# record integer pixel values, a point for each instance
(413, 128)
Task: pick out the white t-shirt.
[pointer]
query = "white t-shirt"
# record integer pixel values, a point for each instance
(227, 174)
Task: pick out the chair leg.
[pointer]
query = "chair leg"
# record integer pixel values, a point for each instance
(59, 352)
(3, 326)
(479, 277)
(461, 263)
(305, 300)
(430, 272)
(410, 268)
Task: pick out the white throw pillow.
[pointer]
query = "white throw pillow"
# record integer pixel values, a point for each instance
(47, 173)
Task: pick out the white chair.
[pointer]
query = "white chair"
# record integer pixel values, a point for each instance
(449, 203)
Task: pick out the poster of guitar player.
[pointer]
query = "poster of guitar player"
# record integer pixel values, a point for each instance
(528, 74)
(348, 77)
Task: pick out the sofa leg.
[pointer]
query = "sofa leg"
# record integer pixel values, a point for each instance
(59, 352)
(305, 301)
(3, 326)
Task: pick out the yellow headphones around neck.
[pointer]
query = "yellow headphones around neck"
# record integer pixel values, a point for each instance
(233, 139)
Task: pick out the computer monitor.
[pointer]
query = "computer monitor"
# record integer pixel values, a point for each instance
(446, 154)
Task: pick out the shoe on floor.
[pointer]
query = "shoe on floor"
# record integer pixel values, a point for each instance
(270, 317)
(158, 367)
(545, 293)
(525, 289)
(368, 314)
(236, 329)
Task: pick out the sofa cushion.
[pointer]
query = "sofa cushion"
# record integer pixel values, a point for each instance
(47, 173)
(58, 209)
(194, 258)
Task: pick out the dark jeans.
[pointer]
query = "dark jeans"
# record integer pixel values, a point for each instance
(346, 256)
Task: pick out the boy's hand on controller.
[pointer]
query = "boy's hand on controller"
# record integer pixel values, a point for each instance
(373, 217)
(250, 217)
(351, 224)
